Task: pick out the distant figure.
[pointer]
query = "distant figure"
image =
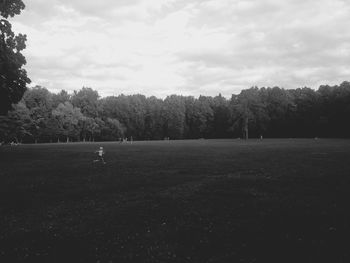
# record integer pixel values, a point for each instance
(261, 137)
(100, 154)
(131, 139)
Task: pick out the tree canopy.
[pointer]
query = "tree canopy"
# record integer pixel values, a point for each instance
(42, 116)
(13, 77)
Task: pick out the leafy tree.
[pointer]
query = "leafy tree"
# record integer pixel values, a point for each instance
(118, 108)
(153, 119)
(248, 110)
(38, 98)
(16, 125)
(174, 116)
(60, 97)
(279, 108)
(112, 130)
(222, 115)
(137, 116)
(90, 127)
(13, 78)
(39, 102)
(199, 117)
(86, 99)
(334, 110)
(128, 110)
(108, 107)
(52, 129)
(69, 119)
(307, 112)
(190, 129)
(204, 116)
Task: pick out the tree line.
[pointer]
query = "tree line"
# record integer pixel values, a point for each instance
(43, 116)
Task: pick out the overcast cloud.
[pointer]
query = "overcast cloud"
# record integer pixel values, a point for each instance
(188, 47)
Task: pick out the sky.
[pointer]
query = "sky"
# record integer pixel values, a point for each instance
(185, 47)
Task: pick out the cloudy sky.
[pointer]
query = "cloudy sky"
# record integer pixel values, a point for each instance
(188, 47)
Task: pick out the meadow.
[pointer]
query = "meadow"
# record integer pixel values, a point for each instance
(271, 200)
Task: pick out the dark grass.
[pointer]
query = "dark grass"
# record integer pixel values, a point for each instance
(177, 201)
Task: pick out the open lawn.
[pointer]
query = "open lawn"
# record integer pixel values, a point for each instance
(177, 201)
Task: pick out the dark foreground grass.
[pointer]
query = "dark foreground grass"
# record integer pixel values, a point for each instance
(176, 201)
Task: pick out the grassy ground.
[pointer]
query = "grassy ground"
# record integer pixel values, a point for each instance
(176, 201)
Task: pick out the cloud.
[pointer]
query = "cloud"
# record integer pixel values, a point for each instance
(187, 47)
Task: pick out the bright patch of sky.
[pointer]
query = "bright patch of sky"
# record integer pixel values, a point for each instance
(188, 47)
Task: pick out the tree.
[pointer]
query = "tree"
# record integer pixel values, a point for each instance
(199, 117)
(69, 119)
(129, 111)
(248, 109)
(13, 78)
(16, 125)
(60, 97)
(91, 127)
(307, 112)
(174, 116)
(334, 110)
(39, 102)
(112, 130)
(86, 100)
(280, 108)
(221, 117)
(153, 119)
(137, 116)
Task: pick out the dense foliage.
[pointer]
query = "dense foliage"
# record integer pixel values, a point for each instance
(13, 78)
(42, 116)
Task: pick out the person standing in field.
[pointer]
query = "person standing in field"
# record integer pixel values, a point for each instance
(100, 153)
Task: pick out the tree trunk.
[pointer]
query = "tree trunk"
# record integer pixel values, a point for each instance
(67, 139)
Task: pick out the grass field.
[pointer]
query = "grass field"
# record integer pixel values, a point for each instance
(177, 201)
